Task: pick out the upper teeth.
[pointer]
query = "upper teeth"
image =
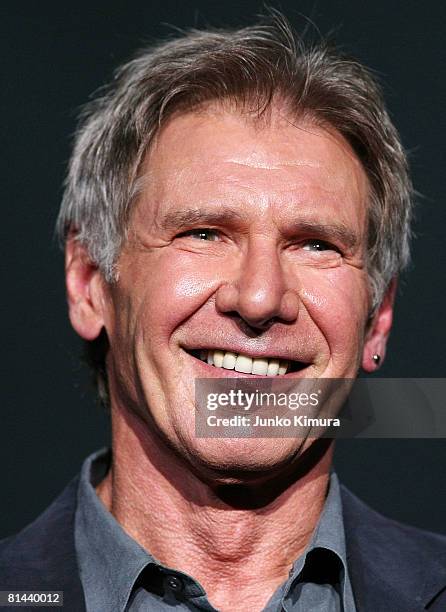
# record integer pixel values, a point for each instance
(242, 363)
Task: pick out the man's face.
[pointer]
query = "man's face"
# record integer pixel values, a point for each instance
(246, 239)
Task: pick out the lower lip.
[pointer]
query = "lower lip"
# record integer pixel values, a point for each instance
(210, 371)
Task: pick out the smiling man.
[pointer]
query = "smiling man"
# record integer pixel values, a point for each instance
(237, 206)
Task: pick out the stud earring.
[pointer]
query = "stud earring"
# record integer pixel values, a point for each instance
(376, 359)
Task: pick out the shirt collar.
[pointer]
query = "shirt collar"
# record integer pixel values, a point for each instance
(328, 535)
(329, 532)
(109, 560)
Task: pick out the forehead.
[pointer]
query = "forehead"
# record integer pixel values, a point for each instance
(223, 156)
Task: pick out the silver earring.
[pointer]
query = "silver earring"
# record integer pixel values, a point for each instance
(376, 358)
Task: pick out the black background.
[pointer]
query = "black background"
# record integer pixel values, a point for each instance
(54, 57)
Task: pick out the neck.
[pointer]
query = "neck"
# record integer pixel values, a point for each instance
(224, 536)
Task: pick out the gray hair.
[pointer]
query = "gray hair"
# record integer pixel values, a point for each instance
(250, 67)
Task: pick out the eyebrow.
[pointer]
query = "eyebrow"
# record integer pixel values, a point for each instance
(181, 218)
(334, 231)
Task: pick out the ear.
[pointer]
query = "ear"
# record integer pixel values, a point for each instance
(378, 333)
(85, 291)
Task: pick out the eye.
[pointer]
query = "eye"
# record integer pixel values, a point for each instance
(319, 246)
(205, 234)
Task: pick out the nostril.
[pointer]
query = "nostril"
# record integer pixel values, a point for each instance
(250, 328)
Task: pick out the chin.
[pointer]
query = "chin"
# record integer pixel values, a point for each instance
(233, 460)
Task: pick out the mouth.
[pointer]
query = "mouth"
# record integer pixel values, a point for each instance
(246, 364)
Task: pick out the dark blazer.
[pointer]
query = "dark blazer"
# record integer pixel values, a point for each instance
(393, 567)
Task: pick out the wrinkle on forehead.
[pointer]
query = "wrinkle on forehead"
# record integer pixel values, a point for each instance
(255, 160)
(265, 159)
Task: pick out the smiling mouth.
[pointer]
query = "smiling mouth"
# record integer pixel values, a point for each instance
(239, 362)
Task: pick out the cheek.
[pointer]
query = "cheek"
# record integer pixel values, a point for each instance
(336, 301)
(169, 287)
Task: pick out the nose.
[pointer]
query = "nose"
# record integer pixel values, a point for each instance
(260, 291)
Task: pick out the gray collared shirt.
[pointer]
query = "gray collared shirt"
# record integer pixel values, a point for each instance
(118, 575)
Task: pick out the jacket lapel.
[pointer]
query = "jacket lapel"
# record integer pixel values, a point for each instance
(43, 557)
(392, 566)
